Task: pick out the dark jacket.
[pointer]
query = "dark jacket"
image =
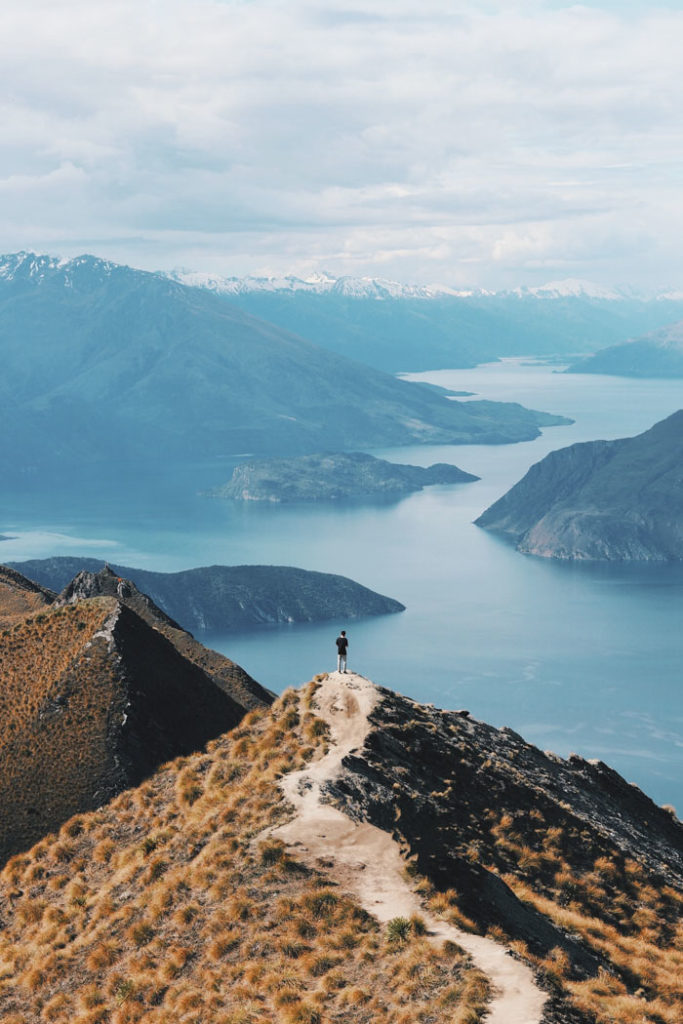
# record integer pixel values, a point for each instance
(342, 643)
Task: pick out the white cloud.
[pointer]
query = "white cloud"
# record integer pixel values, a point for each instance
(480, 143)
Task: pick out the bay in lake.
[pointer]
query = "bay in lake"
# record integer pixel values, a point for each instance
(575, 657)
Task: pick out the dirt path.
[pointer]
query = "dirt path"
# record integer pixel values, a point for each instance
(367, 860)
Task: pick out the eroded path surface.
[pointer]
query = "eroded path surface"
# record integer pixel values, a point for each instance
(366, 860)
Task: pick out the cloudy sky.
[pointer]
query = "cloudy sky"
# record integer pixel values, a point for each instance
(490, 144)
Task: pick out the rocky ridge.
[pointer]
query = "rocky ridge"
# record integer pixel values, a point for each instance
(98, 690)
(198, 893)
(19, 596)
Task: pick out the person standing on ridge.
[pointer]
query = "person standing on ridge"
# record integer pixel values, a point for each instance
(342, 647)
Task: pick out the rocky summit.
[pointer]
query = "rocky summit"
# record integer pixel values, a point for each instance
(601, 500)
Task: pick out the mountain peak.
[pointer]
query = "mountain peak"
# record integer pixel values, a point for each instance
(573, 287)
(36, 268)
(317, 283)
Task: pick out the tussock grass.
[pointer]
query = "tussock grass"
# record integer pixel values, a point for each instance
(168, 906)
(619, 908)
(58, 659)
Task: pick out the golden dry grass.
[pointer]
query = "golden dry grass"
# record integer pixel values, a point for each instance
(170, 906)
(618, 906)
(53, 727)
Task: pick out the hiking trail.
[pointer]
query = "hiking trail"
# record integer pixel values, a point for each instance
(367, 861)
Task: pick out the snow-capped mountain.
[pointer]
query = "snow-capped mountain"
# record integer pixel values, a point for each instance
(35, 268)
(325, 283)
(321, 283)
(384, 324)
(573, 287)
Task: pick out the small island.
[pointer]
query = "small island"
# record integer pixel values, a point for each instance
(332, 477)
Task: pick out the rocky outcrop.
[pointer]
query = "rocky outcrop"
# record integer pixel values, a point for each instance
(332, 477)
(94, 697)
(471, 803)
(222, 597)
(601, 500)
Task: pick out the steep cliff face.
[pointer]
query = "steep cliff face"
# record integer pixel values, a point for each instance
(611, 500)
(93, 699)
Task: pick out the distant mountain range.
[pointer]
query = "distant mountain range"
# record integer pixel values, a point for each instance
(658, 354)
(324, 283)
(397, 327)
(105, 367)
(601, 500)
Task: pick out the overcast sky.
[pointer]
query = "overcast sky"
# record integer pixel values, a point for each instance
(490, 144)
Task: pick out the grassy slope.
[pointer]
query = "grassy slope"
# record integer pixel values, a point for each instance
(169, 905)
(166, 906)
(57, 683)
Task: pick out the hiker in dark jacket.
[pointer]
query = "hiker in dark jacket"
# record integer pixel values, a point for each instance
(342, 647)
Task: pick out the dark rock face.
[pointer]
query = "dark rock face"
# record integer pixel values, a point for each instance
(659, 354)
(95, 696)
(610, 500)
(442, 783)
(225, 673)
(221, 597)
(332, 477)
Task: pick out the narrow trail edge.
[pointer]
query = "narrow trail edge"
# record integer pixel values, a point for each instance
(367, 860)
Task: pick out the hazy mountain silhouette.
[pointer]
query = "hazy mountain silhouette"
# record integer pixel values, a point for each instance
(658, 354)
(105, 366)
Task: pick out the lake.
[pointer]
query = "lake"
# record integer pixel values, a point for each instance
(576, 657)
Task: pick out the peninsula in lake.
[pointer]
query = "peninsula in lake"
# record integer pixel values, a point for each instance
(658, 354)
(332, 477)
(601, 500)
(226, 597)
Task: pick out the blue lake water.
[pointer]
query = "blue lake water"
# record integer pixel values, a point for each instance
(575, 657)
